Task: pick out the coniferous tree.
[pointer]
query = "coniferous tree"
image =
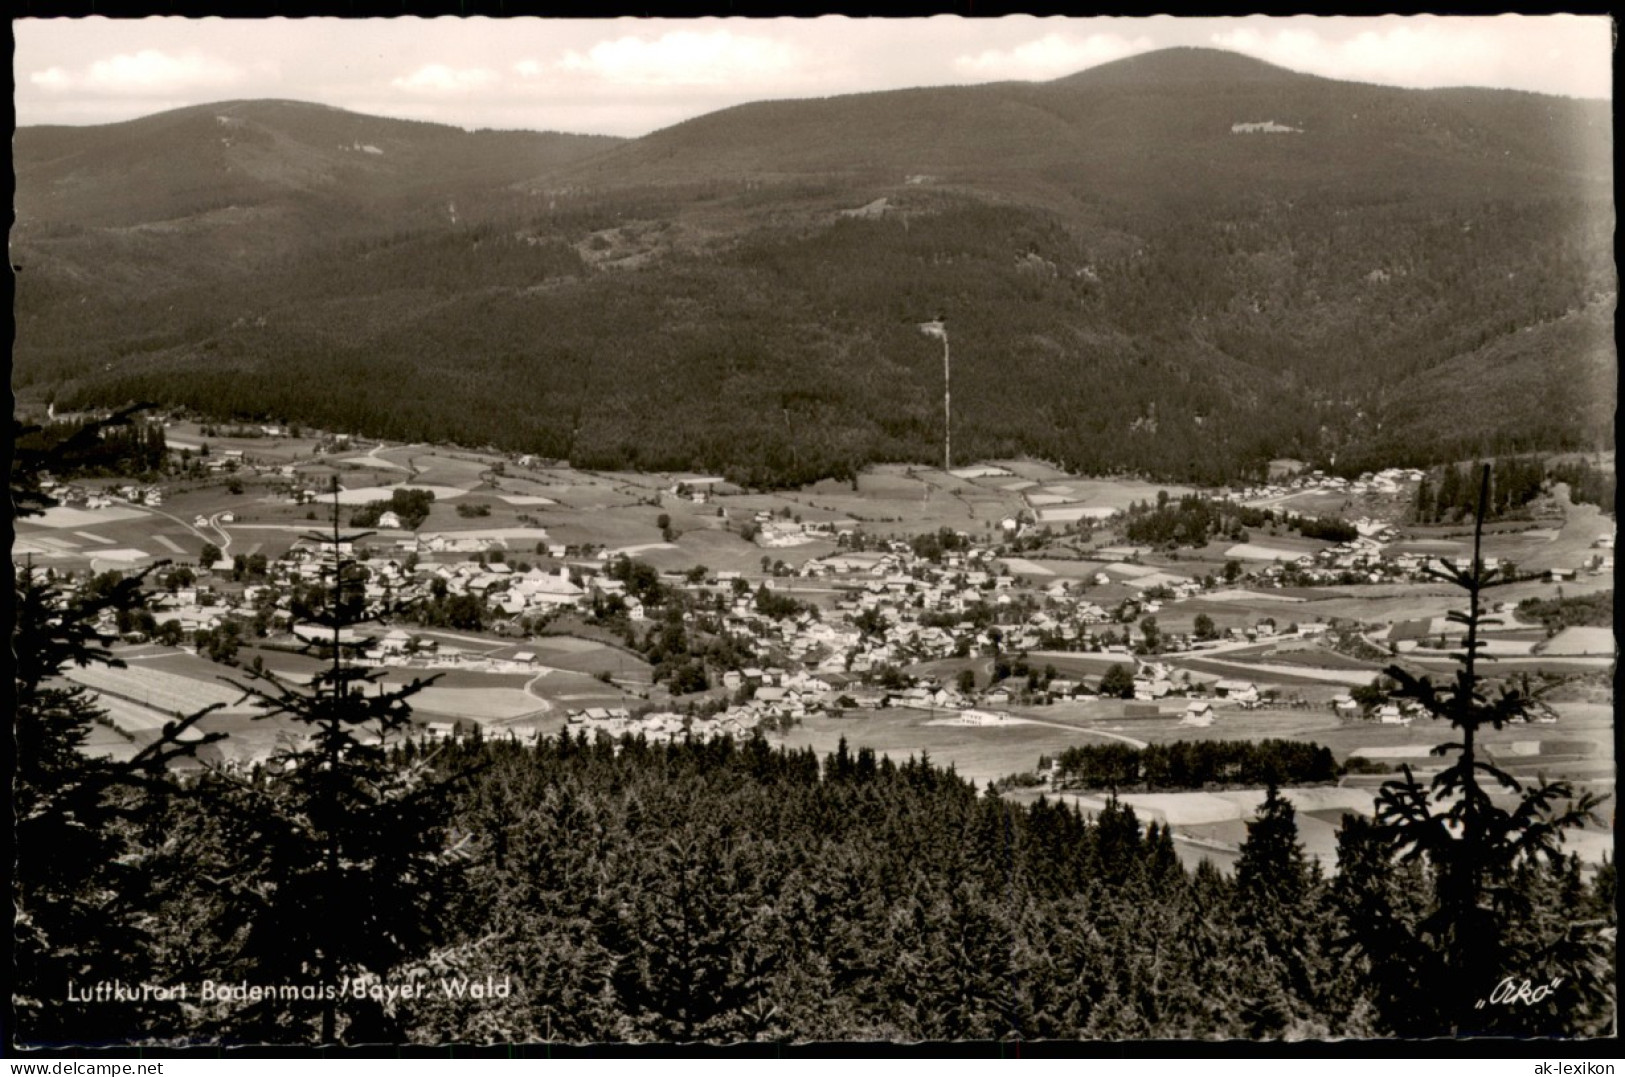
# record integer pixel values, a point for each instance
(1479, 850)
(1277, 897)
(79, 885)
(80, 889)
(343, 857)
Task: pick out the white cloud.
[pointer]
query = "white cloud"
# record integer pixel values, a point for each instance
(147, 72)
(52, 78)
(630, 76)
(441, 79)
(1050, 56)
(1441, 52)
(684, 58)
(1393, 54)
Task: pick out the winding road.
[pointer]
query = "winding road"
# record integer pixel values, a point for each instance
(176, 519)
(1084, 729)
(225, 536)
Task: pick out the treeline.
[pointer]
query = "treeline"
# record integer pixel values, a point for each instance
(1191, 520)
(410, 506)
(1325, 528)
(1450, 493)
(131, 448)
(623, 891)
(1588, 485)
(1194, 520)
(1185, 765)
(792, 354)
(932, 546)
(1556, 614)
(1453, 496)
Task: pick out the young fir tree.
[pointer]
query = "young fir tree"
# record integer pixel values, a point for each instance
(1277, 899)
(1481, 832)
(79, 888)
(344, 858)
(80, 884)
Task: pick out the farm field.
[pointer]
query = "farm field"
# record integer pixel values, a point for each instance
(554, 646)
(184, 665)
(569, 691)
(1308, 658)
(132, 718)
(120, 538)
(428, 466)
(1579, 746)
(1578, 723)
(1317, 833)
(1512, 665)
(460, 679)
(1116, 494)
(895, 499)
(979, 753)
(167, 692)
(1581, 641)
(724, 551)
(1077, 664)
(1059, 568)
(1230, 722)
(993, 752)
(298, 667)
(484, 704)
(360, 495)
(61, 517)
(1274, 548)
(611, 527)
(598, 658)
(1284, 675)
(105, 743)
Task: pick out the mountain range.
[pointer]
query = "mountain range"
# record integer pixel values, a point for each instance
(1180, 264)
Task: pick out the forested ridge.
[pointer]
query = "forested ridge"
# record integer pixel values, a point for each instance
(1336, 295)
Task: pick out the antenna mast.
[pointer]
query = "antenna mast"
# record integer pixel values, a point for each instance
(947, 410)
(938, 328)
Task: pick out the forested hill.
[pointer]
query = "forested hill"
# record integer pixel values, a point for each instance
(177, 164)
(1182, 264)
(1148, 131)
(176, 199)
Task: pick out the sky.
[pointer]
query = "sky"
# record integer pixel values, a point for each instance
(631, 76)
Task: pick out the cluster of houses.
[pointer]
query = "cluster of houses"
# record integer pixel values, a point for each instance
(193, 607)
(225, 460)
(1393, 712)
(892, 608)
(510, 591)
(764, 698)
(1364, 559)
(1389, 481)
(776, 532)
(74, 495)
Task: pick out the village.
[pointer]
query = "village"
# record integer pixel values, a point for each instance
(539, 600)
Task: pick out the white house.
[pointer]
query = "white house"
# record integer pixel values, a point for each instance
(1198, 713)
(1243, 692)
